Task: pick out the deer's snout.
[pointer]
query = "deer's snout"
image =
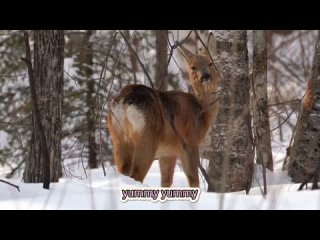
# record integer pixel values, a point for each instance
(206, 77)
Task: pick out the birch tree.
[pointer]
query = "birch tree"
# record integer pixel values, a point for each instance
(231, 153)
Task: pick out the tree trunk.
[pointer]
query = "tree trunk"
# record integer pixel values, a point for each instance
(133, 59)
(48, 76)
(161, 59)
(84, 64)
(231, 154)
(304, 159)
(260, 100)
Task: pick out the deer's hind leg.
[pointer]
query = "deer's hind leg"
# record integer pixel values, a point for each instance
(143, 156)
(190, 161)
(123, 153)
(123, 148)
(167, 165)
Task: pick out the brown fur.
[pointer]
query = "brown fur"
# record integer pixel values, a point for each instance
(175, 123)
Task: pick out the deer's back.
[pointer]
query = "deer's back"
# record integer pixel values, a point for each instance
(139, 109)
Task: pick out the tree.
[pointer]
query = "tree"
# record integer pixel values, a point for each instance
(47, 71)
(231, 153)
(133, 60)
(161, 60)
(304, 162)
(104, 58)
(84, 66)
(260, 102)
(15, 103)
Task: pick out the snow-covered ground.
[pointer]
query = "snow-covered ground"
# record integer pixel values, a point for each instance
(100, 192)
(75, 191)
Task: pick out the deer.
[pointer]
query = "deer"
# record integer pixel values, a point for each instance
(146, 124)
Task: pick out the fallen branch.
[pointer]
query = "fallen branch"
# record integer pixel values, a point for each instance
(11, 184)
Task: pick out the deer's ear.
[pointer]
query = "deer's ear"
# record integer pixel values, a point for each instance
(205, 52)
(185, 53)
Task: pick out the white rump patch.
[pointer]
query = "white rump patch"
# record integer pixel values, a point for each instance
(136, 118)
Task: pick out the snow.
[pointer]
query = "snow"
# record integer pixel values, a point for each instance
(103, 192)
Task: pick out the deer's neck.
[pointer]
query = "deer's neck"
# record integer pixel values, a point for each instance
(208, 99)
(209, 103)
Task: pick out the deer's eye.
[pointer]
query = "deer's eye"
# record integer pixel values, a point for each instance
(193, 68)
(210, 64)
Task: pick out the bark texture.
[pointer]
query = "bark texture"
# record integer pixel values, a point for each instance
(231, 152)
(304, 161)
(48, 75)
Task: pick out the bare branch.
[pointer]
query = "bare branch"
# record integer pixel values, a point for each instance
(104, 68)
(289, 102)
(13, 170)
(13, 185)
(284, 121)
(136, 55)
(13, 76)
(186, 37)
